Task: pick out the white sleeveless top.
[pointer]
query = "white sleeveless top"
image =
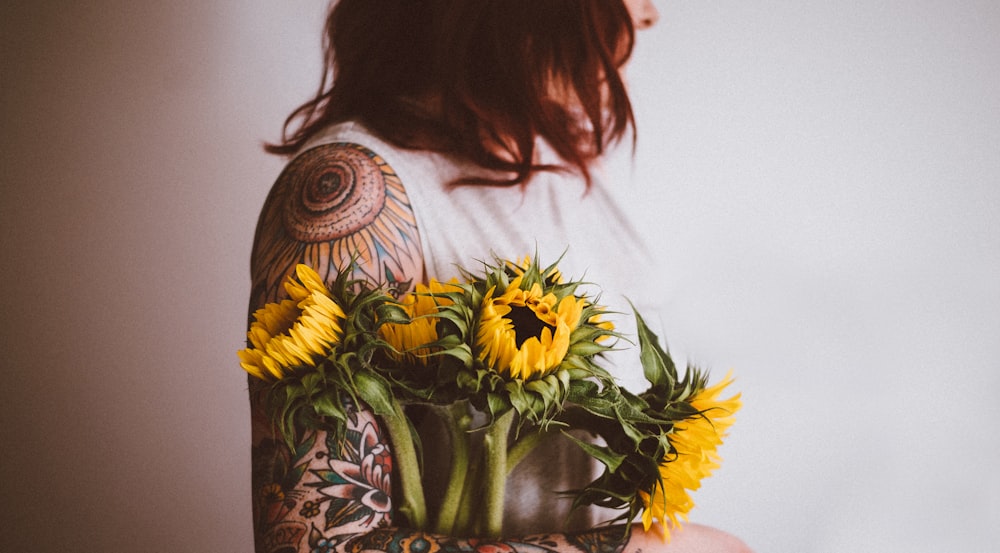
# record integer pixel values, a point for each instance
(556, 215)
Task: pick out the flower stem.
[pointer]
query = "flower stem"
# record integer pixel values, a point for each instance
(468, 504)
(407, 466)
(495, 449)
(458, 424)
(523, 447)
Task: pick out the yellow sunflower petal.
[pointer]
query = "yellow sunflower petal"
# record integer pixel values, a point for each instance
(412, 338)
(696, 441)
(310, 278)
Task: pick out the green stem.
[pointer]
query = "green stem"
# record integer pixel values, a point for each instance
(495, 448)
(458, 424)
(468, 503)
(407, 467)
(523, 447)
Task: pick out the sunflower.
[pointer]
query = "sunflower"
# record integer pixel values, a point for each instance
(410, 340)
(695, 443)
(526, 333)
(294, 332)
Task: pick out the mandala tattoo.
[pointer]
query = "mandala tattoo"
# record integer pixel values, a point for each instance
(333, 204)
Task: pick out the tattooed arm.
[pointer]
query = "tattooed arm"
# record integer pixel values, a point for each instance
(332, 204)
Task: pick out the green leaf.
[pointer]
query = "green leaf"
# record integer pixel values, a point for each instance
(497, 404)
(375, 392)
(656, 362)
(583, 389)
(542, 387)
(311, 382)
(328, 407)
(466, 380)
(391, 313)
(565, 379)
(587, 349)
(605, 455)
(521, 401)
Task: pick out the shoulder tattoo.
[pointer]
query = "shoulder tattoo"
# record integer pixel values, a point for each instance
(331, 204)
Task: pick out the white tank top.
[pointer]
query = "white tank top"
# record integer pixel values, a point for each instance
(556, 215)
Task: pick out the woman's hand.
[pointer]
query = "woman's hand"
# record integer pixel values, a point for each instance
(691, 538)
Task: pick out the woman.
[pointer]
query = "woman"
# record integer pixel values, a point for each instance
(445, 131)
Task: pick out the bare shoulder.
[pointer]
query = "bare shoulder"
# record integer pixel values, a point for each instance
(332, 204)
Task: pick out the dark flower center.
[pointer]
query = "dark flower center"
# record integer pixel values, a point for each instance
(526, 324)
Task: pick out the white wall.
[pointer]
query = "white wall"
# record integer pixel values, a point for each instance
(824, 179)
(827, 179)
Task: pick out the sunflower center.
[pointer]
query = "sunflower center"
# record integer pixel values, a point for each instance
(526, 324)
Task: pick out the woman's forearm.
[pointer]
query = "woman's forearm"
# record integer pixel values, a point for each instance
(691, 538)
(398, 540)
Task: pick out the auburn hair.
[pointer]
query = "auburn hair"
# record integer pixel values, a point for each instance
(480, 79)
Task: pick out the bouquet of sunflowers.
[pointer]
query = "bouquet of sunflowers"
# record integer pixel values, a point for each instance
(514, 345)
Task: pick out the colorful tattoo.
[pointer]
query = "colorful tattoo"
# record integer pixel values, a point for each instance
(332, 204)
(599, 540)
(277, 475)
(357, 483)
(322, 487)
(607, 540)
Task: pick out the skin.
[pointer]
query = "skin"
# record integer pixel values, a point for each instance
(644, 13)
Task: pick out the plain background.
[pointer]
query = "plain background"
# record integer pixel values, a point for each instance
(822, 178)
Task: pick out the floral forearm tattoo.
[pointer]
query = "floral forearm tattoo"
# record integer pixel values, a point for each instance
(322, 489)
